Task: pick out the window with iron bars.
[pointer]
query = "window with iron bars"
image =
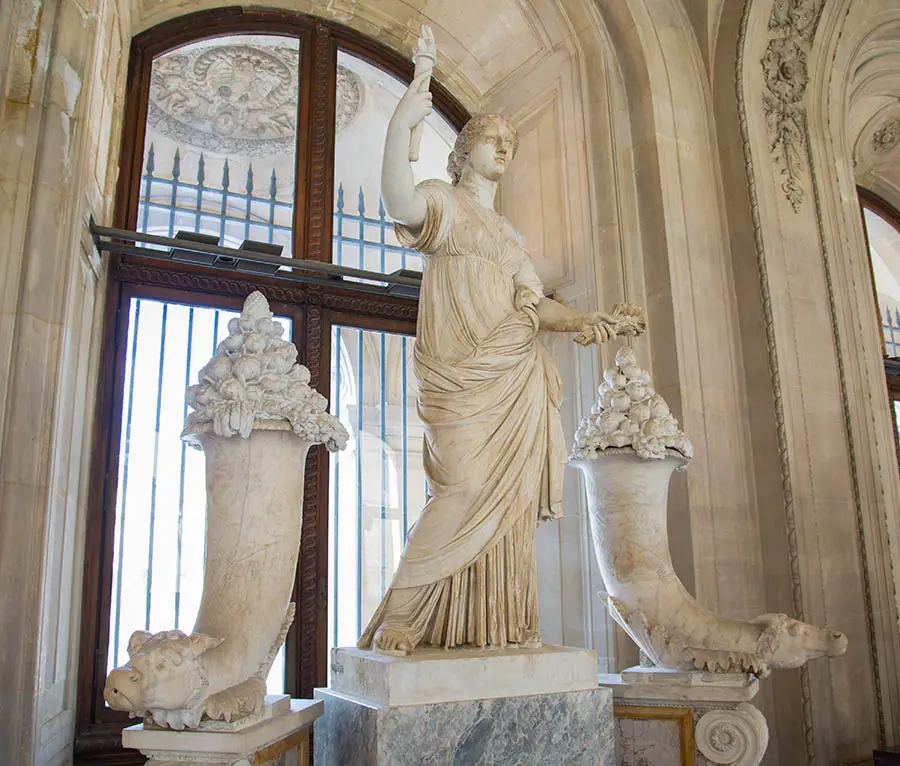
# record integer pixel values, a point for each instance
(287, 156)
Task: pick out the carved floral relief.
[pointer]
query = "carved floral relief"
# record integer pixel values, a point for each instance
(792, 26)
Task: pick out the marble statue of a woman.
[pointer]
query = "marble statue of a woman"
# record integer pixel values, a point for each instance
(488, 397)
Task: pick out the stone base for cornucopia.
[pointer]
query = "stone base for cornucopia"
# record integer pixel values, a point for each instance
(277, 734)
(515, 707)
(673, 717)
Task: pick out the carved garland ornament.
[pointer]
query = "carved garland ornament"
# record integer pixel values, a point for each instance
(793, 24)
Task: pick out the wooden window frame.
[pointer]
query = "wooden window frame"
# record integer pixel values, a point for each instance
(313, 310)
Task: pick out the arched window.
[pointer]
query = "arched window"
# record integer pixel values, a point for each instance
(258, 129)
(882, 229)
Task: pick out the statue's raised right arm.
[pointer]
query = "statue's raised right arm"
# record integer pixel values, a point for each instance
(402, 201)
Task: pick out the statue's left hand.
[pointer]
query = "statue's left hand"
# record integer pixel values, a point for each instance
(626, 319)
(596, 327)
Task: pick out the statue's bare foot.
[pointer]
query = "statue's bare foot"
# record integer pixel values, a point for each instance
(533, 641)
(393, 642)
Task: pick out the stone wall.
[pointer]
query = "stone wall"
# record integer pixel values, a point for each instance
(63, 71)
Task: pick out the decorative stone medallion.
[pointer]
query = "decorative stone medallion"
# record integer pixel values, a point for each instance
(886, 138)
(736, 737)
(237, 99)
(349, 97)
(877, 144)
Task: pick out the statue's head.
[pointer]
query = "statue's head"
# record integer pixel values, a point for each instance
(487, 143)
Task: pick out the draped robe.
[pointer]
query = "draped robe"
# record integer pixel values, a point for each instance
(494, 450)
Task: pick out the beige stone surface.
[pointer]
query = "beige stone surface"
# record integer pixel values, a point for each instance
(49, 301)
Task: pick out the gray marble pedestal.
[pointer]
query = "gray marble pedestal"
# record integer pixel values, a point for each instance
(397, 724)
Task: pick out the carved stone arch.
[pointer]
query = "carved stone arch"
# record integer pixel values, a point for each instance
(856, 49)
(794, 70)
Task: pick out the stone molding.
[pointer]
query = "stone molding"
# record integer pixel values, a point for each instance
(775, 374)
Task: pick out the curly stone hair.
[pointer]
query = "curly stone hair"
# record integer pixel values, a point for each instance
(469, 136)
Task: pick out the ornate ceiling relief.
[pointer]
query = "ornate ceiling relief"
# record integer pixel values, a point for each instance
(237, 99)
(349, 98)
(876, 147)
(886, 138)
(793, 25)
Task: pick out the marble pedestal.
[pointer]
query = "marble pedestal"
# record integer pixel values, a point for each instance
(667, 717)
(464, 707)
(279, 734)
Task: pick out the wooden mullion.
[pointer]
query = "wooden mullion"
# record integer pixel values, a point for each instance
(311, 583)
(319, 205)
(310, 644)
(131, 150)
(292, 680)
(301, 151)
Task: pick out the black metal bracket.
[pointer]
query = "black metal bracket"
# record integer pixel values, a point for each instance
(187, 249)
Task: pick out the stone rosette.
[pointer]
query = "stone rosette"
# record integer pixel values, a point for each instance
(630, 417)
(254, 383)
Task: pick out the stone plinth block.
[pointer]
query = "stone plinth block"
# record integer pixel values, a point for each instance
(435, 675)
(696, 686)
(666, 717)
(572, 728)
(279, 734)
